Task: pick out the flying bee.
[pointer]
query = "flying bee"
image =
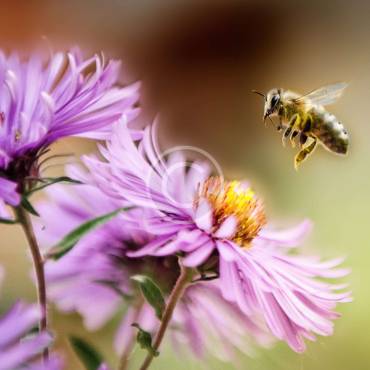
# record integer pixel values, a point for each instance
(305, 117)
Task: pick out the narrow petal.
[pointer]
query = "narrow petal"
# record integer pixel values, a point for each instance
(227, 228)
(287, 238)
(227, 250)
(200, 255)
(8, 192)
(203, 216)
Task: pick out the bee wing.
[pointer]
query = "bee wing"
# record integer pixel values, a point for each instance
(325, 95)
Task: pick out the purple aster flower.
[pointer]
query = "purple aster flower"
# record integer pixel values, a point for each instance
(18, 347)
(203, 323)
(45, 100)
(94, 278)
(221, 227)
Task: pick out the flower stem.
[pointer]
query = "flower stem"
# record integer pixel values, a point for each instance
(175, 295)
(124, 359)
(38, 263)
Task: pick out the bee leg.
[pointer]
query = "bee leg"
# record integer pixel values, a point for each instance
(280, 125)
(295, 130)
(304, 153)
(302, 139)
(292, 137)
(307, 125)
(289, 129)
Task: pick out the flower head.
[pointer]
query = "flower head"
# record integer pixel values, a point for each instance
(220, 227)
(44, 100)
(235, 201)
(94, 277)
(18, 347)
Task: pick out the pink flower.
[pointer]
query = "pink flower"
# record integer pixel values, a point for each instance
(45, 99)
(19, 348)
(222, 225)
(94, 277)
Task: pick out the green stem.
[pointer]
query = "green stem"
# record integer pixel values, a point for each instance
(124, 359)
(176, 294)
(38, 263)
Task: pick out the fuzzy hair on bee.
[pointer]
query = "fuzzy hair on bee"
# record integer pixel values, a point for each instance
(303, 118)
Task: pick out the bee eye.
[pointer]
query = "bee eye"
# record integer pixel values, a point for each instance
(274, 101)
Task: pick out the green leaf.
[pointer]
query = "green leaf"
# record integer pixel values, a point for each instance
(152, 293)
(52, 180)
(71, 239)
(145, 340)
(25, 203)
(7, 222)
(87, 354)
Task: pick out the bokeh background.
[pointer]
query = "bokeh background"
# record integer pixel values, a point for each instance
(198, 61)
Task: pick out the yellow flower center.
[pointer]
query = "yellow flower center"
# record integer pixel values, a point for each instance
(236, 199)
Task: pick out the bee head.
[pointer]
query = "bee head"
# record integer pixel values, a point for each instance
(272, 103)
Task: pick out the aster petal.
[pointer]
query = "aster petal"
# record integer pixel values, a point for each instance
(287, 238)
(228, 251)
(8, 192)
(14, 327)
(24, 351)
(280, 323)
(235, 284)
(103, 367)
(4, 213)
(227, 228)
(191, 335)
(203, 216)
(170, 248)
(322, 269)
(18, 347)
(200, 255)
(151, 248)
(193, 241)
(211, 324)
(294, 305)
(53, 363)
(197, 174)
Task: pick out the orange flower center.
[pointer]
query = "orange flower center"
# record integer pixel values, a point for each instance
(234, 198)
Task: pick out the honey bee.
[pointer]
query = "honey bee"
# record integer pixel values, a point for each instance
(305, 117)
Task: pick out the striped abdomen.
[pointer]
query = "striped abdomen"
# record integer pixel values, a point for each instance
(329, 130)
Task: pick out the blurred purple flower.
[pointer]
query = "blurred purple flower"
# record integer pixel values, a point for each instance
(208, 219)
(103, 367)
(43, 101)
(204, 323)
(94, 277)
(19, 348)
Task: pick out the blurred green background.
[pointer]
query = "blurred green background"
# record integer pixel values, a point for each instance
(198, 61)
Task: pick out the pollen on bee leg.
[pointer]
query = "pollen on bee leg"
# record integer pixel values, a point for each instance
(237, 199)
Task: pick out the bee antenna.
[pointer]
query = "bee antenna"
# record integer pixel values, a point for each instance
(258, 93)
